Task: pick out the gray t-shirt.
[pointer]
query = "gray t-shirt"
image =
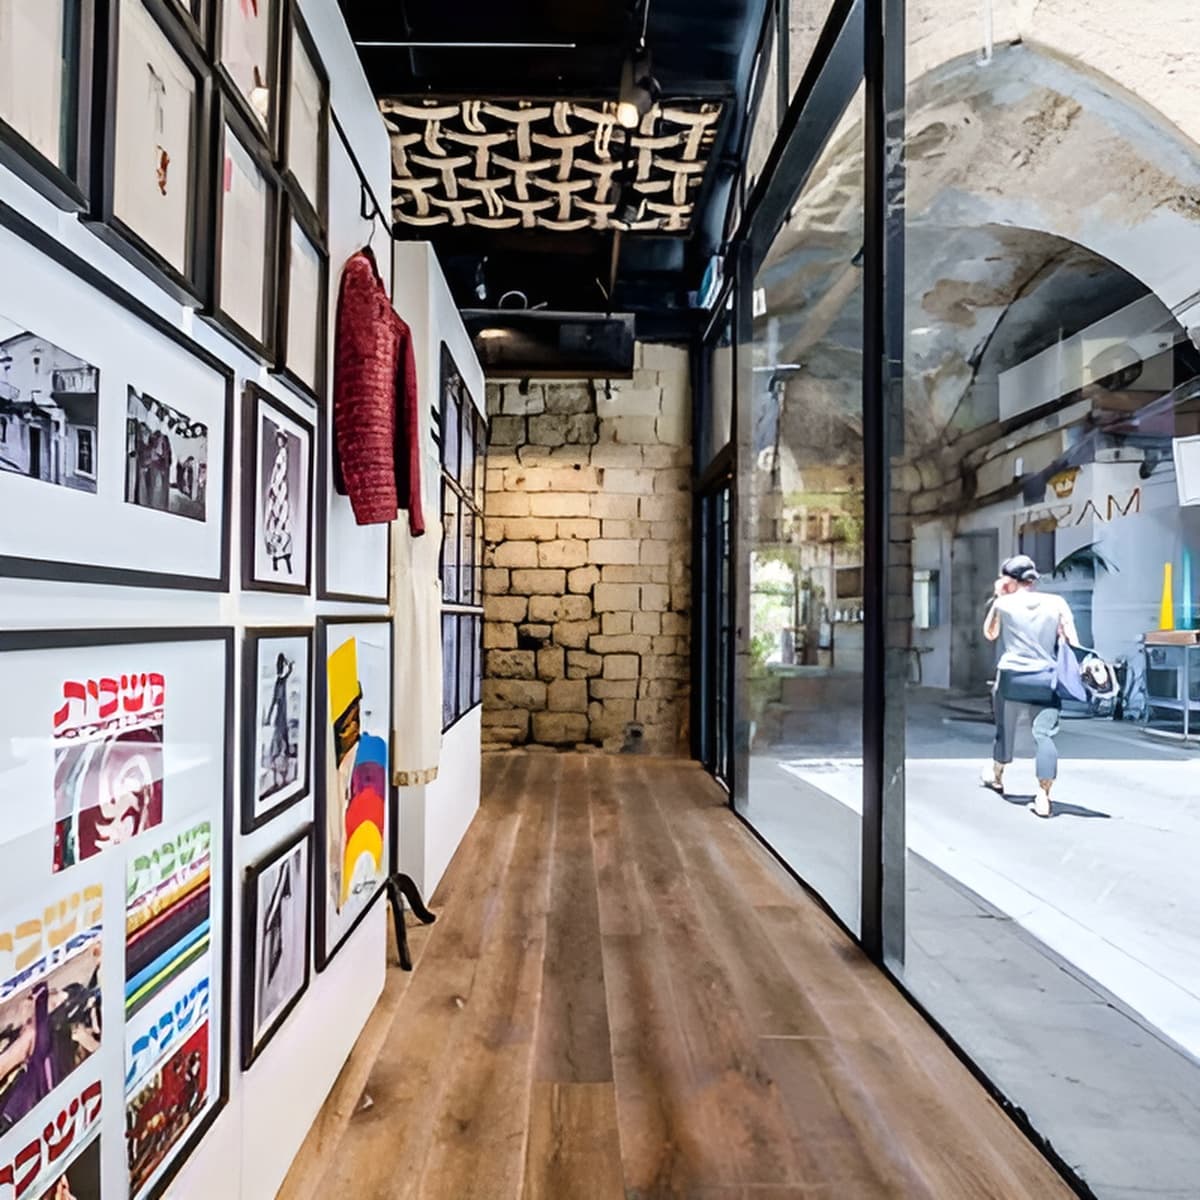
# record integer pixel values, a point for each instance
(1029, 624)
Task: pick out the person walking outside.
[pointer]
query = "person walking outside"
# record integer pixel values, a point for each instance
(1028, 624)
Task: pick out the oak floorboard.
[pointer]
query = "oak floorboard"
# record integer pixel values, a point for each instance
(573, 1146)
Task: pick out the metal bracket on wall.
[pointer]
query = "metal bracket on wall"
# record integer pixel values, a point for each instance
(401, 887)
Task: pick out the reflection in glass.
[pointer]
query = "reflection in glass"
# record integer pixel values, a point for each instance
(802, 521)
(1052, 388)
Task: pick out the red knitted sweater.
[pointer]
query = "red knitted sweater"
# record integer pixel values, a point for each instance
(376, 419)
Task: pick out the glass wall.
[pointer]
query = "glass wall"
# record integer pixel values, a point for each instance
(1051, 397)
(1047, 409)
(800, 523)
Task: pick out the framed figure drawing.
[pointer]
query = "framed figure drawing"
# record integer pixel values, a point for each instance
(116, 849)
(306, 118)
(246, 223)
(303, 307)
(115, 430)
(276, 909)
(277, 665)
(248, 57)
(156, 130)
(45, 95)
(277, 501)
(353, 723)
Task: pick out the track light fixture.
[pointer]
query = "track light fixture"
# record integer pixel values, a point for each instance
(639, 89)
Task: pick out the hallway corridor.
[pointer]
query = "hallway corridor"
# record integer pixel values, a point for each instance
(624, 995)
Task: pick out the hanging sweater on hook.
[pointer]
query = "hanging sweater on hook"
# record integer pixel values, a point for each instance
(376, 419)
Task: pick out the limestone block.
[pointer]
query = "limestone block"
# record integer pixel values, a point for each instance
(496, 581)
(569, 397)
(621, 666)
(605, 727)
(584, 528)
(514, 693)
(654, 712)
(493, 527)
(583, 429)
(548, 430)
(671, 531)
(504, 608)
(639, 529)
(582, 579)
(659, 575)
(539, 582)
(623, 643)
(560, 608)
(614, 623)
(568, 695)
(508, 504)
(661, 689)
(615, 597)
(620, 709)
(499, 635)
(676, 624)
(529, 529)
(494, 479)
(559, 728)
(493, 395)
(665, 644)
(567, 553)
(673, 429)
(656, 597)
(620, 573)
(582, 665)
(641, 400)
(522, 402)
(560, 504)
(662, 357)
(551, 663)
(655, 554)
(573, 633)
(573, 478)
(670, 480)
(613, 689)
(508, 431)
(649, 623)
(609, 454)
(618, 480)
(525, 479)
(618, 529)
(681, 597)
(665, 508)
(533, 631)
(667, 456)
(622, 551)
(613, 507)
(634, 431)
(510, 664)
(516, 554)
(507, 725)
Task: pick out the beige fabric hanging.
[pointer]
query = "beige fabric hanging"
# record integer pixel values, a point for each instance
(417, 599)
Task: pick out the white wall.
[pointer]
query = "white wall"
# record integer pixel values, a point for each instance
(434, 817)
(252, 1143)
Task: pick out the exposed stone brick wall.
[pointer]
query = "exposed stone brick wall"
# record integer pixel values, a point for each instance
(587, 585)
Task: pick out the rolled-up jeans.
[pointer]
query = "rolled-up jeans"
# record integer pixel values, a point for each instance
(1043, 718)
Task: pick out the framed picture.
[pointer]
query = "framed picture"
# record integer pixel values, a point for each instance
(247, 53)
(277, 912)
(277, 505)
(115, 430)
(117, 836)
(303, 305)
(354, 706)
(45, 96)
(154, 157)
(246, 225)
(306, 118)
(277, 666)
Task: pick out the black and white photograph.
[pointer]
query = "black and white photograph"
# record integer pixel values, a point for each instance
(166, 458)
(49, 411)
(276, 930)
(279, 466)
(278, 663)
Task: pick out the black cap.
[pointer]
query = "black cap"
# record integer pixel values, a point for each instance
(1020, 567)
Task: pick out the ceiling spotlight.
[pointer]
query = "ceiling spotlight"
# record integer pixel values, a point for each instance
(639, 89)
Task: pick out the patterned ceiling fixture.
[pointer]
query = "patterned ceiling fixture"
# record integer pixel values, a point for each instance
(545, 164)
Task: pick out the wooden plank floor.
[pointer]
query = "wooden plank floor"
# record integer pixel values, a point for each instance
(625, 996)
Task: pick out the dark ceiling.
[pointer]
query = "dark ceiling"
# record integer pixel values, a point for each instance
(701, 51)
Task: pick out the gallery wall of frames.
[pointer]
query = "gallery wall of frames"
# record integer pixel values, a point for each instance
(195, 800)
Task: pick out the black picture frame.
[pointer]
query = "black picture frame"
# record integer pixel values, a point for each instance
(59, 639)
(324, 952)
(190, 285)
(195, 17)
(35, 568)
(295, 28)
(267, 135)
(252, 1049)
(254, 399)
(254, 637)
(228, 119)
(67, 186)
(314, 393)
